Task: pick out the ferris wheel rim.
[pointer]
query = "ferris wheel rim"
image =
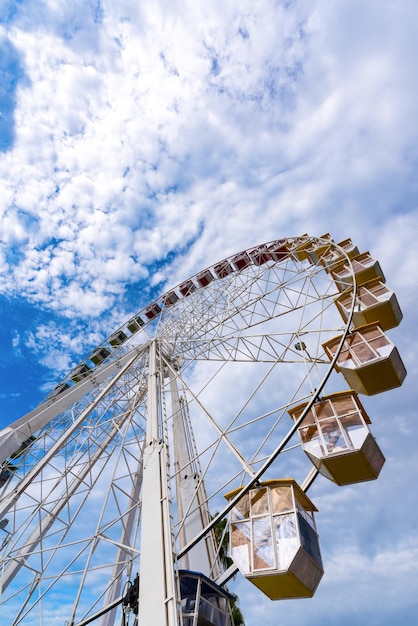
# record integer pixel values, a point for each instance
(295, 426)
(157, 306)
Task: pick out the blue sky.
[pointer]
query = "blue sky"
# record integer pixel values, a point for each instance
(142, 142)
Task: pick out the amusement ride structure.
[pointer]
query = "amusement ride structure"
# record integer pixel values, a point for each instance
(222, 399)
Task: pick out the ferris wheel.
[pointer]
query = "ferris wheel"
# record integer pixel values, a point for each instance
(113, 489)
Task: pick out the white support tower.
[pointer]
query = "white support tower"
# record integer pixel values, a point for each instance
(157, 586)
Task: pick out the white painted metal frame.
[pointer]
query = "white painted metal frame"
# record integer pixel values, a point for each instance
(127, 435)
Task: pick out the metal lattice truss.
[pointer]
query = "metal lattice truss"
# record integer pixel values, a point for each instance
(231, 356)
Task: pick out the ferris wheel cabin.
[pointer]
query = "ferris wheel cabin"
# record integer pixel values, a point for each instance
(99, 355)
(336, 438)
(375, 302)
(273, 538)
(313, 250)
(223, 269)
(187, 288)
(364, 266)
(241, 261)
(369, 361)
(333, 256)
(80, 372)
(152, 310)
(203, 603)
(279, 251)
(170, 298)
(135, 324)
(118, 338)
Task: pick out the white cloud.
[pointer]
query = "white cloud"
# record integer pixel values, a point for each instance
(105, 129)
(151, 140)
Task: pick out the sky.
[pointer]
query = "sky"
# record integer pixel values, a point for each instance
(141, 142)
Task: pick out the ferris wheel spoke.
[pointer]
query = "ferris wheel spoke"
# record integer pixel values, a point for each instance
(222, 435)
(53, 505)
(263, 296)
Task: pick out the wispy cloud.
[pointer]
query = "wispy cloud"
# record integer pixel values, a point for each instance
(141, 142)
